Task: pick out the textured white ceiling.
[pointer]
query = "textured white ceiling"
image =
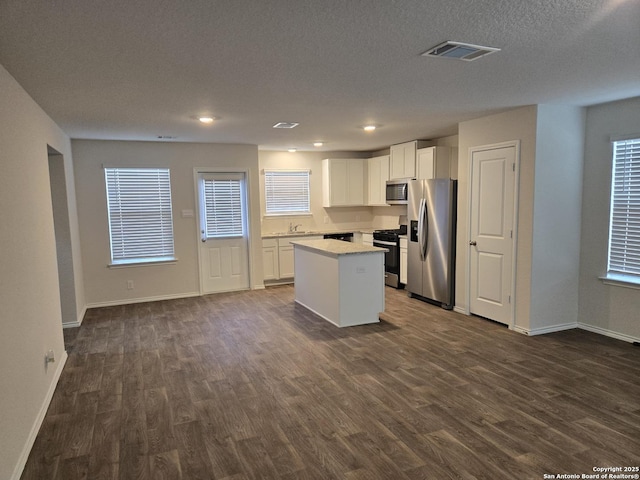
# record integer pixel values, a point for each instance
(133, 70)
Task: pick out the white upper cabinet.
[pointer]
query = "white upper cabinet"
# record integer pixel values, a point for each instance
(403, 159)
(343, 182)
(377, 174)
(433, 162)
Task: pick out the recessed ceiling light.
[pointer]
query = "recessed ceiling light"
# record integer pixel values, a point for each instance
(369, 128)
(206, 120)
(459, 50)
(292, 150)
(318, 144)
(286, 125)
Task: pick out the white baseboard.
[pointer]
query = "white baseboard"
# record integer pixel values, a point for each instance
(582, 326)
(78, 322)
(129, 301)
(609, 333)
(542, 331)
(35, 428)
(461, 311)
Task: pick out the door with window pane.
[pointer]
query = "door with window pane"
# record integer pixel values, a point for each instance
(224, 253)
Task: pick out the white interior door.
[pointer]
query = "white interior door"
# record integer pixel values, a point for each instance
(491, 239)
(224, 258)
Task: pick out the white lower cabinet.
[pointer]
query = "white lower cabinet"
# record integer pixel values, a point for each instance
(270, 259)
(285, 260)
(367, 239)
(403, 260)
(277, 257)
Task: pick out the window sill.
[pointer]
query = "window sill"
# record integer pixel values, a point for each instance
(626, 281)
(289, 214)
(143, 262)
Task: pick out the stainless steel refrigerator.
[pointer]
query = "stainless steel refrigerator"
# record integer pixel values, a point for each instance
(431, 212)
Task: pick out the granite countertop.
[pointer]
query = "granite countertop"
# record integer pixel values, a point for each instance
(305, 233)
(336, 248)
(311, 233)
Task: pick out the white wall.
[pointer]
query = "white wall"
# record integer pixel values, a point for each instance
(549, 210)
(105, 285)
(517, 124)
(31, 320)
(555, 264)
(604, 308)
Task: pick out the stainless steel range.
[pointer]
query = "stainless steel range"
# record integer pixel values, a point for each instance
(390, 239)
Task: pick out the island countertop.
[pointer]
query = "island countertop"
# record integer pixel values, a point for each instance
(335, 248)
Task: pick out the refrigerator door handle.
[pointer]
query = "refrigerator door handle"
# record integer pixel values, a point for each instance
(425, 229)
(421, 227)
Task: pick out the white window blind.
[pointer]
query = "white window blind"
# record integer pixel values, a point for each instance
(140, 219)
(286, 192)
(624, 232)
(223, 208)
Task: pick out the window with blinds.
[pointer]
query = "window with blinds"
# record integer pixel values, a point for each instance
(140, 218)
(223, 207)
(624, 230)
(287, 192)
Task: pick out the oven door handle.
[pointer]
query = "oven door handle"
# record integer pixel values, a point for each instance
(384, 242)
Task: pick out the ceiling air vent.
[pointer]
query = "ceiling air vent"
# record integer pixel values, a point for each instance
(286, 125)
(461, 51)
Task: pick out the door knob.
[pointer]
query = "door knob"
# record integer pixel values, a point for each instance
(473, 243)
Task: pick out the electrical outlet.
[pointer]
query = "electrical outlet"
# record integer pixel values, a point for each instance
(129, 284)
(49, 357)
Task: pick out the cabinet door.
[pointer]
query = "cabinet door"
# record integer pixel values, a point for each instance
(285, 261)
(425, 164)
(355, 181)
(367, 239)
(433, 162)
(270, 260)
(403, 161)
(343, 182)
(338, 177)
(378, 174)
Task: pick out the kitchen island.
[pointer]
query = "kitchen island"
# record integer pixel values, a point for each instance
(343, 282)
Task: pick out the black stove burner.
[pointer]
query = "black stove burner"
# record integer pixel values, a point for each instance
(390, 235)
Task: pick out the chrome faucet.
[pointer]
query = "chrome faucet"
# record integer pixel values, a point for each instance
(294, 228)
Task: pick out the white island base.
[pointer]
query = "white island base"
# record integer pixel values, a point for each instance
(340, 281)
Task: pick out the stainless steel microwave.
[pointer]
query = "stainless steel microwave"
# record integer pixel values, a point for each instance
(398, 191)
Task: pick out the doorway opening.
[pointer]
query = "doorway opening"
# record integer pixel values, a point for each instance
(62, 229)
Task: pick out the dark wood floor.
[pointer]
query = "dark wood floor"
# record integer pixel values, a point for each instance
(250, 385)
